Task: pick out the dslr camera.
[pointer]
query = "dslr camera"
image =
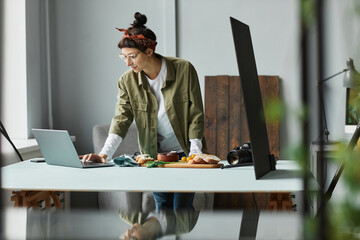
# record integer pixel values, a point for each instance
(241, 155)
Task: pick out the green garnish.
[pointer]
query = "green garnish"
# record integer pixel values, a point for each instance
(151, 164)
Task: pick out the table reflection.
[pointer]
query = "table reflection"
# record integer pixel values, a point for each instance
(159, 223)
(187, 224)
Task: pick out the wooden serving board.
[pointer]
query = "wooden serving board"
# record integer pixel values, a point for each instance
(187, 165)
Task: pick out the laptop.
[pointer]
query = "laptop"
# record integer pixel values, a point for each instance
(58, 149)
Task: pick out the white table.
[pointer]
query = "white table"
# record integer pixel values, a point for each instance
(41, 176)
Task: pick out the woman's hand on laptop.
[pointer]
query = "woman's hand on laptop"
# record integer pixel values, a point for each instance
(92, 157)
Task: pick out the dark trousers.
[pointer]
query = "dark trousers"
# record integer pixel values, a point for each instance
(175, 201)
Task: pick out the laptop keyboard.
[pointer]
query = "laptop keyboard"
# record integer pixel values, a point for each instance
(90, 163)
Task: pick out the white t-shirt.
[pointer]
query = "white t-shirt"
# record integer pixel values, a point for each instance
(166, 136)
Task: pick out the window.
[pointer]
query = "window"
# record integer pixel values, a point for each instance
(13, 69)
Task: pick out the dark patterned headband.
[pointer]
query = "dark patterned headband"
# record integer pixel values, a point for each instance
(139, 39)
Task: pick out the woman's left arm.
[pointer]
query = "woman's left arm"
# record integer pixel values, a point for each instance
(196, 110)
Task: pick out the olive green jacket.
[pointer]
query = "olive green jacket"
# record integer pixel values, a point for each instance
(183, 105)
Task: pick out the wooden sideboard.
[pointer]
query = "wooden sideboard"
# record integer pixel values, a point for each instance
(226, 128)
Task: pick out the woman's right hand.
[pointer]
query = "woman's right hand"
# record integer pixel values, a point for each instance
(92, 157)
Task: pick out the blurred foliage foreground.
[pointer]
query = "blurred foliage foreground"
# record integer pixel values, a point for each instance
(344, 212)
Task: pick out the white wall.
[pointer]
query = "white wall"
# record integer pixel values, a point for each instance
(36, 67)
(342, 41)
(205, 38)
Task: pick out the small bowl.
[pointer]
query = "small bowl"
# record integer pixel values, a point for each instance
(168, 157)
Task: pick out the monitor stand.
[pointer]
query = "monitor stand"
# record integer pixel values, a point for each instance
(339, 171)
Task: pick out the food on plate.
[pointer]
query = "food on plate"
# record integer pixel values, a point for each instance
(190, 157)
(198, 160)
(143, 158)
(174, 157)
(212, 159)
(204, 159)
(168, 157)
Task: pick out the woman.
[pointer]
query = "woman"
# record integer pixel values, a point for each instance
(163, 95)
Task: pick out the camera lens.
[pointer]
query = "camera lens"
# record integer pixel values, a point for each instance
(239, 156)
(233, 157)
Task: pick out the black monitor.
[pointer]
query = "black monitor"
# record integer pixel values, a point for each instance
(352, 113)
(352, 106)
(263, 161)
